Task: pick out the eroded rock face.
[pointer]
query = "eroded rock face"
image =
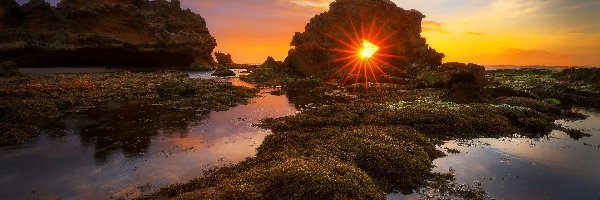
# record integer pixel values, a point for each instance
(137, 33)
(398, 32)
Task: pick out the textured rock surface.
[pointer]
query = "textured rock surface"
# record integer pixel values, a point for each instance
(312, 49)
(138, 33)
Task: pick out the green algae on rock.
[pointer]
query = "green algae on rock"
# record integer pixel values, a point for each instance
(330, 163)
(570, 87)
(223, 73)
(27, 102)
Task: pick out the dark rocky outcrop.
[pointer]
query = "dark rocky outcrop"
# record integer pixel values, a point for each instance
(312, 50)
(9, 69)
(138, 33)
(224, 59)
(448, 75)
(272, 63)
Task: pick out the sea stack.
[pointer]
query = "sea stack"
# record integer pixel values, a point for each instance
(314, 51)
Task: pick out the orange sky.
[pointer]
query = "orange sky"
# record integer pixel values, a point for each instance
(489, 32)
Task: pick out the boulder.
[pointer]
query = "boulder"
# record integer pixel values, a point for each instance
(136, 33)
(272, 63)
(397, 31)
(449, 75)
(224, 60)
(461, 73)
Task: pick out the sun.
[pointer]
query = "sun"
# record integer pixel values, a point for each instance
(368, 49)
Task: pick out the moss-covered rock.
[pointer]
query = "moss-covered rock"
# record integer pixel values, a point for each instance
(448, 75)
(570, 87)
(223, 73)
(399, 158)
(302, 178)
(435, 118)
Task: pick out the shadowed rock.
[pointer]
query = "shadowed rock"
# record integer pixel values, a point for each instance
(137, 33)
(224, 60)
(397, 29)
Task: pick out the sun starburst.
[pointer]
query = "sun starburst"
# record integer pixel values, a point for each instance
(364, 51)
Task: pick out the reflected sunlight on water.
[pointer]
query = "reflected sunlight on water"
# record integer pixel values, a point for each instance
(124, 150)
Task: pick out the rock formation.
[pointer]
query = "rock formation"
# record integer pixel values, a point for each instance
(139, 33)
(224, 59)
(347, 21)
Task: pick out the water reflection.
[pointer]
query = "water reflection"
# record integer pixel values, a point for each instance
(129, 128)
(552, 167)
(122, 150)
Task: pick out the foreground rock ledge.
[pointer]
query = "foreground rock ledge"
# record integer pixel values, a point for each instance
(312, 55)
(103, 33)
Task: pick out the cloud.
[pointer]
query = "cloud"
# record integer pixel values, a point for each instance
(431, 26)
(313, 3)
(515, 8)
(475, 33)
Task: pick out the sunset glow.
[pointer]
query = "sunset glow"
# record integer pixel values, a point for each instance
(488, 32)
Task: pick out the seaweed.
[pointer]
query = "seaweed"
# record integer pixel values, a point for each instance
(29, 102)
(568, 88)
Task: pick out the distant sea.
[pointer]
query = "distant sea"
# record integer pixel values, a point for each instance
(497, 67)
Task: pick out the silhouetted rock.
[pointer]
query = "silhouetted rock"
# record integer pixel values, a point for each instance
(223, 72)
(313, 50)
(224, 60)
(461, 73)
(272, 63)
(103, 33)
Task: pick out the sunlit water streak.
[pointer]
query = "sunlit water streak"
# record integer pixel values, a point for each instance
(99, 157)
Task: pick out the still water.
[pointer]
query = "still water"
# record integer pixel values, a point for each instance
(553, 167)
(125, 150)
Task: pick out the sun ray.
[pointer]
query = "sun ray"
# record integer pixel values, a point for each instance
(348, 35)
(340, 41)
(343, 50)
(371, 27)
(343, 59)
